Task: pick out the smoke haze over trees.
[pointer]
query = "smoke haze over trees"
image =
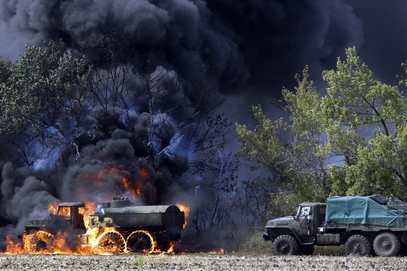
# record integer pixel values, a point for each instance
(350, 141)
(131, 85)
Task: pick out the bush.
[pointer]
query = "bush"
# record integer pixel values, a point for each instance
(256, 244)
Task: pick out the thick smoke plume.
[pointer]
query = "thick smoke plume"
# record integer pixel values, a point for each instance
(232, 42)
(252, 47)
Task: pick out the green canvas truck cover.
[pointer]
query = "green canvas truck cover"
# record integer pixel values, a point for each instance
(363, 210)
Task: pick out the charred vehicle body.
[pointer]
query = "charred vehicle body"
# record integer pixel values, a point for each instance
(364, 225)
(116, 226)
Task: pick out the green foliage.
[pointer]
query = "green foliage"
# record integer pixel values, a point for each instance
(293, 151)
(351, 141)
(140, 263)
(255, 244)
(41, 88)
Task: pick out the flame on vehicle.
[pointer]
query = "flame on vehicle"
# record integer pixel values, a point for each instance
(186, 210)
(94, 240)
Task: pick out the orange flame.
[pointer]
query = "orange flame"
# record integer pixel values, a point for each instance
(186, 210)
(94, 241)
(221, 251)
(53, 207)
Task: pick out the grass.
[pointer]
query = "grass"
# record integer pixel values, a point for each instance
(256, 245)
(140, 263)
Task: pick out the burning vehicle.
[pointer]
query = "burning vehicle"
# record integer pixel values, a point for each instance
(114, 227)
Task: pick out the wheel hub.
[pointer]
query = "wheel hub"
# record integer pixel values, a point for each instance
(385, 245)
(357, 248)
(285, 248)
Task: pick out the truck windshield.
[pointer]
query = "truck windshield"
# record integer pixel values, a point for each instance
(304, 211)
(64, 211)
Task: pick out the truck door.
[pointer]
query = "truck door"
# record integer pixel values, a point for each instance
(305, 221)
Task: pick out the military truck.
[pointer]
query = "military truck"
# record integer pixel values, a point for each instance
(364, 225)
(39, 234)
(120, 226)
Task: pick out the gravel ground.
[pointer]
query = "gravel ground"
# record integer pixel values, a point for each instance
(198, 262)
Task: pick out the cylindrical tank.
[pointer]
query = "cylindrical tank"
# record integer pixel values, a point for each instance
(121, 213)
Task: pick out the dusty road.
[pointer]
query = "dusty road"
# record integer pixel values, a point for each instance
(204, 262)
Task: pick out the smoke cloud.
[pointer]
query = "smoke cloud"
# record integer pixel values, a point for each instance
(251, 44)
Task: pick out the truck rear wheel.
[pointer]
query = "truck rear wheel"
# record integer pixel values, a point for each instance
(386, 244)
(140, 242)
(285, 245)
(358, 245)
(111, 242)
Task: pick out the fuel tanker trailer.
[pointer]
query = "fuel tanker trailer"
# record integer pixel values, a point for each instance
(137, 228)
(115, 226)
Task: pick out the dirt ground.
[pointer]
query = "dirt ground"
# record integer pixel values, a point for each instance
(205, 262)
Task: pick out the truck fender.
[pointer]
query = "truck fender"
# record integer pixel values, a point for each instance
(282, 231)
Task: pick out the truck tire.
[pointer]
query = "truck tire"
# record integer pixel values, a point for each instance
(358, 245)
(39, 241)
(285, 245)
(140, 242)
(386, 244)
(111, 242)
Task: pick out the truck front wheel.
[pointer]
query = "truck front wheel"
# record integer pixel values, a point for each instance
(358, 245)
(285, 245)
(386, 244)
(39, 241)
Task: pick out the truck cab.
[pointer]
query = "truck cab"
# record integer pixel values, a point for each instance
(300, 228)
(69, 217)
(304, 224)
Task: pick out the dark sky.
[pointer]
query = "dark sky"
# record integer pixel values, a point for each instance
(385, 36)
(250, 49)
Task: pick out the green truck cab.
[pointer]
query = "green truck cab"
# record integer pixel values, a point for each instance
(364, 225)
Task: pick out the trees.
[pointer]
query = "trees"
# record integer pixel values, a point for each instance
(292, 151)
(38, 86)
(352, 140)
(40, 95)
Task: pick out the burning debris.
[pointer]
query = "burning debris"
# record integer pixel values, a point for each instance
(113, 227)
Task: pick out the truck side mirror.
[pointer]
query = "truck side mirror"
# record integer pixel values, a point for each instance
(293, 215)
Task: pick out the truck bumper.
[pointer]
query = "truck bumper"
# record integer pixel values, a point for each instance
(266, 237)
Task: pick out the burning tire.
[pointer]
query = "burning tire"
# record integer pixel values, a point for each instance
(40, 241)
(111, 242)
(140, 242)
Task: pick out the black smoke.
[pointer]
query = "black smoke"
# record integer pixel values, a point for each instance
(252, 44)
(385, 37)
